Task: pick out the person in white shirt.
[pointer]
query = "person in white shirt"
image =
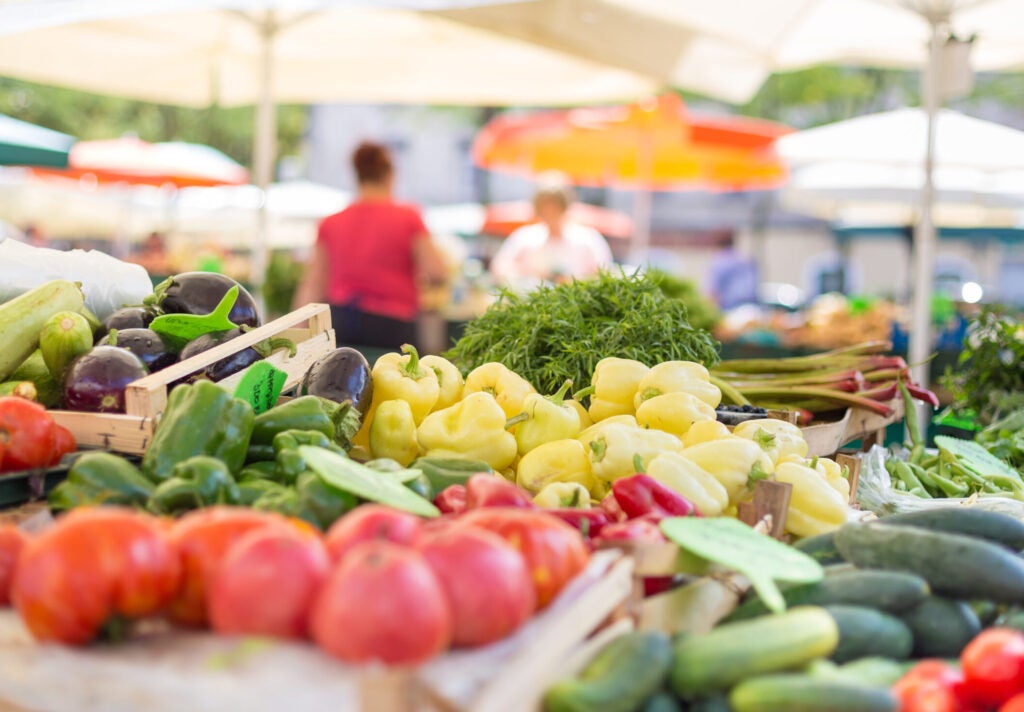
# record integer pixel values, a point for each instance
(553, 249)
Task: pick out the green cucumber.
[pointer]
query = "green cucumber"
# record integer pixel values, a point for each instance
(717, 660)
(955, 519)
(22, 318)
(620, 678)
(716, 703)
(1011, 619)
(65, 336)
(821, 548)
(889, 591)
(661, 702)
(803, 693)
(48, 391)
(864, 632)
(954, 565)
(941, 627)
(882, 672)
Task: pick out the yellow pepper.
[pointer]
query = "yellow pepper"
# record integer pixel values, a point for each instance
(835, 474)
(614, 381)
(449, 380)
(398, 376)
(814, 506)
(673, 412)
(472, 429)
(614, 450)
(563, 494)
(585, 420)
(556, 461)
(588, 434)
(690, 480)
(776, 437)
(704, 431)
(393, 432)
(677, 377)
(508, 387)
(736, 463)
(546, 418)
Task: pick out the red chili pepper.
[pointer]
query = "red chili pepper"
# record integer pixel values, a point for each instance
(589, 522)
(451, 500)
(494, 491)
(642, 494)
(643, 529)
(26, 434)
(610, 505)
(63, 443)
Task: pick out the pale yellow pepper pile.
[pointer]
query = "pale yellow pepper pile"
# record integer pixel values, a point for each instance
(659, 420)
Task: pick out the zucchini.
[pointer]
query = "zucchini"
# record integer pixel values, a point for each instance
(717, 660)
(889, 591)
(821, 548)
(620, 678)
(65, 335)
(22, 318)
(941, 627)
(22, 389)
(803, 693)
(955, 519)
(34, 370)
(954, 565)
(864, 633)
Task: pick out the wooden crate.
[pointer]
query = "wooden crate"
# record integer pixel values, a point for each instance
(171, 670)
(146, 398)
(825, 439)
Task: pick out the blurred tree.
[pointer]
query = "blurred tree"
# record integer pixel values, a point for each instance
(93, 116)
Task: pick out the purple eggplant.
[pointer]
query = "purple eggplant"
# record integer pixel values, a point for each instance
(342, 375)
(153, 350)
(95, 381)
(200, 293)
(129, 318)
(235, 362)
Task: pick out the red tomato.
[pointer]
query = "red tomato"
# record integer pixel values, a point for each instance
(993, 665)
(94, 563)
(26, 431)
(202, 538)
(370, 522)
(63, 443)
(266, 583)
(930, 686)
(555, 553)
(382, 603)
(12, 540)
(1014, 704)
(485, 580)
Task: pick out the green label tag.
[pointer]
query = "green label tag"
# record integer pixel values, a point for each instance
(261, 385)
(182, 328)
(734, 545)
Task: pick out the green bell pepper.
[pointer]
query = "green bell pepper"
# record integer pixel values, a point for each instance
(338, 421)
(442, 472)
(258, 471)
(101, 478)
(196, 482)
(200, 419)
(325, 504)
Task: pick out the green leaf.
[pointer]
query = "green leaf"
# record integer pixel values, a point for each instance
(974, 457)
(362, 481)
(734, 545)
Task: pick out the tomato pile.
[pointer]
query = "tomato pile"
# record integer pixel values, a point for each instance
(380, 585)
(29, 437)
(991, 677)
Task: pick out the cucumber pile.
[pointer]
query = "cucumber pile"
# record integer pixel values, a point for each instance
(910, 586)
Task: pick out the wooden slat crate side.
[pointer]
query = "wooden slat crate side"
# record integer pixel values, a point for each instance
(111, 431)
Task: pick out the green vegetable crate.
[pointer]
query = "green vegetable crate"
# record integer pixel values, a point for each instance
(146, 398)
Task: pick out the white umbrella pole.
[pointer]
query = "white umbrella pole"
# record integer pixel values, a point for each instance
(924, 234)
(264, 150)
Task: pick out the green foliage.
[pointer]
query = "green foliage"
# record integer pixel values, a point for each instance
(989, 377)
(560, 332)
(92, 116)
(701, 311)
(282, 279)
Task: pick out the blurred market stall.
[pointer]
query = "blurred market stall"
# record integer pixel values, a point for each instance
(25, 144)
(652, 145)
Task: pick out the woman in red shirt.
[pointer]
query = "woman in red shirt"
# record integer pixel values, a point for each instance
(370, 260)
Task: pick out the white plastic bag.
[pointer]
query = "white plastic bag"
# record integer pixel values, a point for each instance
(107, 282)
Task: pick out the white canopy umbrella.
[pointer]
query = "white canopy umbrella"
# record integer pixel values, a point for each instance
(237, 52)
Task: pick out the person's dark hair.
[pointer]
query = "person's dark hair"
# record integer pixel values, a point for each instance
(372, 162)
